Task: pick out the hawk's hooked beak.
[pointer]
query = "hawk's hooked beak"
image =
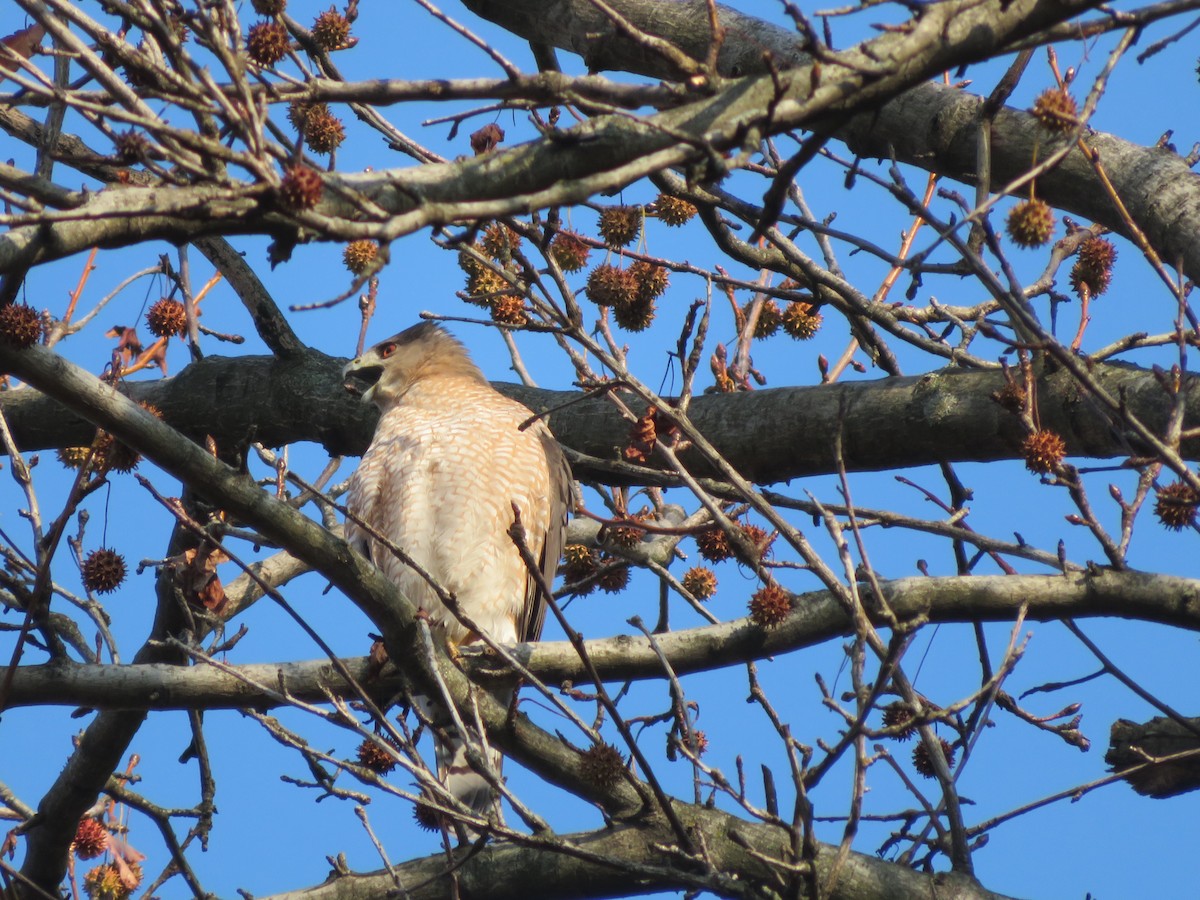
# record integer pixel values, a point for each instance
(360, 378)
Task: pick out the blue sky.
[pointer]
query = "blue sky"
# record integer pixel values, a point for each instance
(271, 836)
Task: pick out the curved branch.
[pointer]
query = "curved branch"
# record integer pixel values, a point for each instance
(565, 167)
(931, 126)
(628, 858)
(817, 617)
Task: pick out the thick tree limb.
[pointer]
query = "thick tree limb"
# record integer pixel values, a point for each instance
(565, 167)
(769, 436)
(505, 871)
(931, 126)
(817, 618)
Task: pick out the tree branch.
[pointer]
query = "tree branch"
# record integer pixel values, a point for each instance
(931, 126)
(817, 617)
(768, 435)
(735, 847)
(566, 167)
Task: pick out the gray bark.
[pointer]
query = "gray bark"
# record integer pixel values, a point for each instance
(931, 126)
(506, 871)
(817, 618)
(769, 435)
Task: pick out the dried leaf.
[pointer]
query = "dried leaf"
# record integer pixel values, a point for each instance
(376, 659)
(486, 138)
(198, 579)
(128, 345)
(125, 856)
(22, 43)
(642, 437)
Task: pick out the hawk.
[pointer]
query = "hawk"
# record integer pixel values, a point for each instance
(448, 461)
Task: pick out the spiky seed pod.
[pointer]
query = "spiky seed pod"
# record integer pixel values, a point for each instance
(469, 262)
(110, 455)
(651, 280)
(1098, 253)
(1055, 110)
(1093, 266)
(331, 30)
(760, 539)
(898, 716)
(569, 251)
(601, 765)
(105, 882)
(713, 544)
(167, 318)
(426, 817)
(608, 285)
(103, 571)
(360, 254)
(770, 317)
(1175, 505)
(131, 147)
(269, 7)
(1043, 450)
(509, 309)
(801, 320)
(629, 535)
(614, 578)
(500, 242)
(141, 72)
(643, 435)
(91, 839)
(635, 316)
(73, 457)
(486, 285)
(1012, 397)
(923, 764)
(323, 131)
(673, 211)
(1094, 281)
(372, 756)
(1030, 223)
(620, 225)
(579, 562)
(267, 43)
(20, 325)
(769, 606)
(700, 582)
(298, 111)
(301, 188)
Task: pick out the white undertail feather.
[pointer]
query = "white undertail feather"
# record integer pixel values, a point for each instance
(446, 464)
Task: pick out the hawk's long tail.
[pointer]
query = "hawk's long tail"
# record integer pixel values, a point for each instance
(454, 768)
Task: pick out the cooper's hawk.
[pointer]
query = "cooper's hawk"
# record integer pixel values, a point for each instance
(446, 465)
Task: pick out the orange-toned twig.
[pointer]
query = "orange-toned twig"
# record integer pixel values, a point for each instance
(889, 282)
(88, 268)
(209, 285)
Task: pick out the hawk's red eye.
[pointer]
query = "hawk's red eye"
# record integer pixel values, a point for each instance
(387, 350)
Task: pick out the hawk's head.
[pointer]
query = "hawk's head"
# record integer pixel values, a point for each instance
(385, 372)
